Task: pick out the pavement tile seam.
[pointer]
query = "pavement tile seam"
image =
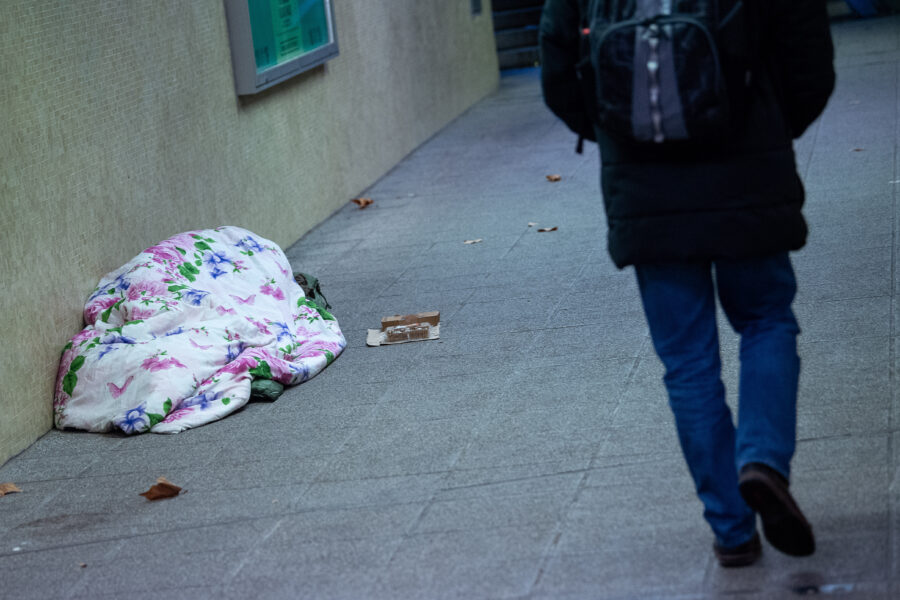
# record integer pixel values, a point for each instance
(407, 534)
(452, 467)
(114, 543)
(551, 551)
(251, 552)
(503, 482)
(548, 551)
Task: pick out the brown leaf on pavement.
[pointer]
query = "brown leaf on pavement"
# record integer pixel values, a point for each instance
(545, 229)
(554, 178)
(8, 488)
(162, 490)
(362, 202)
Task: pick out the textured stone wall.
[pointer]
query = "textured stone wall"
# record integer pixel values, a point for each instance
(119, 126)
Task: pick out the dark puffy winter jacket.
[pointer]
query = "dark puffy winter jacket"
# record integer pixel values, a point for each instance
(739, 200)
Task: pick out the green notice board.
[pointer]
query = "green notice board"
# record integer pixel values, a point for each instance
(285, 29)
(274, 40)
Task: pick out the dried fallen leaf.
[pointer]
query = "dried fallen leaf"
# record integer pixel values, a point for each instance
(8, 488)
(532, 223)
(162, 490)
(362, 202)
(545, 229)
(477, 241)
(554, 178)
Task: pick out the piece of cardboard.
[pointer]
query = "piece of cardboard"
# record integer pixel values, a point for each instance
(400, 329)
(432, 317)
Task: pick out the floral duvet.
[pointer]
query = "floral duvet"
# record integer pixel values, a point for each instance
(174, 337)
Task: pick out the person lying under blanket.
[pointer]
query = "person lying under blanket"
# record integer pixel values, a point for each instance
(174, 338)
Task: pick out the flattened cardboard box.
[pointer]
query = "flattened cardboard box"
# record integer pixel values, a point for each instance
(399, 329)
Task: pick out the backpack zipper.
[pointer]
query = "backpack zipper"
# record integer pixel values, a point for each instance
(654, 25)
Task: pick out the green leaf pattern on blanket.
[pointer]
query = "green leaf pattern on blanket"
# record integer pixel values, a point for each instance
(106, 313)
(313, 311)
(70, 380)
(93, 344)
(159, 418)
(188, 271)
(262, 370)
(154, 419)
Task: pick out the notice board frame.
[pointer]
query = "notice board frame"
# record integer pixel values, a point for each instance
(248, 79)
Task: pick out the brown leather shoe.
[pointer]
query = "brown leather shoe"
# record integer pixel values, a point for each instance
(739, 556)
(765, 490)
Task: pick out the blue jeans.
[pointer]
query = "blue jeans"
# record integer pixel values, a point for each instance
(680, 305)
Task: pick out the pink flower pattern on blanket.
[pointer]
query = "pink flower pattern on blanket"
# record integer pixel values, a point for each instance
(95, 308)
(155, 363)
(174, 337)
(146, 289)
(243, 363)
(139, 314)
(116, 390)
(319, 349)
(163, 254)
(270, 289)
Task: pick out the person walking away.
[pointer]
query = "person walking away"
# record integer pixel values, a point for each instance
(703, 198)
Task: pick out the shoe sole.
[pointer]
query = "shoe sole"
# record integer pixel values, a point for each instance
(744, 559)
(783, 522)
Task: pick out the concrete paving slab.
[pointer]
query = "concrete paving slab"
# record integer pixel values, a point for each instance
(844, 319)
(325, 525)
(508, 559)
(845, 166)
(620, 510)
(592, 388)
(440, 398)
(499, 483)
(615, 574)
(486, 512)
(407, 448)
(515, 447)
(54, 575)
(315, 569)
(496, 578)
(610, 340)
(329, 491)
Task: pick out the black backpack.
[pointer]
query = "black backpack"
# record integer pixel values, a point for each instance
(661, 71)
